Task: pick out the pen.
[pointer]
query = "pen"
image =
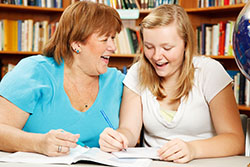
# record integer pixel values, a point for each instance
(80, 143)
(106, 119)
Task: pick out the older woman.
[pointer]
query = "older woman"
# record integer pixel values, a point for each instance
(51, 102)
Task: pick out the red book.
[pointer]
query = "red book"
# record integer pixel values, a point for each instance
(222, 29)
(226, 2)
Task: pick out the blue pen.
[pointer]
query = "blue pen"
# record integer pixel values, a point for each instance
(106, 119)
(80, 143)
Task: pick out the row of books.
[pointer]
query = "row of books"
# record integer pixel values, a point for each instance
(133, 4)
(210, 3)
(24, 35)
(215, 39)
(150, 4)
(241, 88)
(40, 3)
(128, 41)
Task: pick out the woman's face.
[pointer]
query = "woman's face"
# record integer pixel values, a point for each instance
(95, 53)
(164, 49)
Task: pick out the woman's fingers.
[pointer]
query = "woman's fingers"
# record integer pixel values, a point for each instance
(58, 142)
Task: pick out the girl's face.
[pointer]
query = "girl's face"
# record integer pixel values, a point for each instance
(164, 49)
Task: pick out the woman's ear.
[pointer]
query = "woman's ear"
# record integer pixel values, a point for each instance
(75, 46)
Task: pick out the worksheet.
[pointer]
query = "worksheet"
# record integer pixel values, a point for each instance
(138, 153)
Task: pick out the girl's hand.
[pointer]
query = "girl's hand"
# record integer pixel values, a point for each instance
(177, 151)
(112, 140)
(57, 142)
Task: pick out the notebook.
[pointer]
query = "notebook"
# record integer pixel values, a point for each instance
(138, 153)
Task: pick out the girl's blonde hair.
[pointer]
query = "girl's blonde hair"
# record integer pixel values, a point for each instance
(163, 16)
(77, 23)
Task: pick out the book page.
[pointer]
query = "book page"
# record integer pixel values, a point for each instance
(76, 154)
(138, 152)
(28, 157)
(96, 155)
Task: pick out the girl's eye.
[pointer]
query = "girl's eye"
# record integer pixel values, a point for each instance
(148, 47)
(167, 49)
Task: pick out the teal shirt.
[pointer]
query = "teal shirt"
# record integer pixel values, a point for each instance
(35, 85)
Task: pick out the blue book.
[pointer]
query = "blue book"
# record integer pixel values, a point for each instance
(232, 73)
(19, 35)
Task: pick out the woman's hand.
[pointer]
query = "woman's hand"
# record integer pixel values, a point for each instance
(177, 151)
(112, 140)
(58, 142)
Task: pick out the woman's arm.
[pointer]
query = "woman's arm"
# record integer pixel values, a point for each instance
(130, 124)
(13, 138)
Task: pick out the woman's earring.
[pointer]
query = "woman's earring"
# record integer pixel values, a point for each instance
(77, 51)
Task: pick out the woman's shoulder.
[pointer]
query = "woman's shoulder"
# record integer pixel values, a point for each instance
(113, 73)
(39, 59)
(40, 63)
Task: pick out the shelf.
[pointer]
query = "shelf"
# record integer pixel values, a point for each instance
(19, 53)
(125, 55)
(221, 57)
(244, 108)
(9, 7)
(215, 9)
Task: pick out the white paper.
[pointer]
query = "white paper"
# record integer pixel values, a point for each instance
(76, 154)
(138, 152)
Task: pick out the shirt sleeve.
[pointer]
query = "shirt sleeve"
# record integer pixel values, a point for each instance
(22, 85)
(214, 78)
(132, 80)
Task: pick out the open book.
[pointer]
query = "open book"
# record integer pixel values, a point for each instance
(77, 154)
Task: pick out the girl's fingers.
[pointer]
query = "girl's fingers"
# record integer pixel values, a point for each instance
(111, 139)
(109, 148)
(125, 141)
